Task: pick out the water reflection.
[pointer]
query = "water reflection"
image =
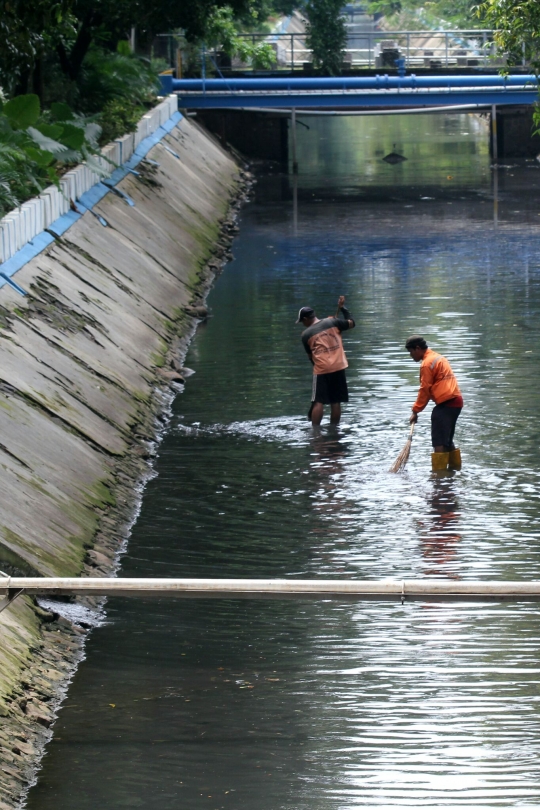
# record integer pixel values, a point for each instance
(439, 530)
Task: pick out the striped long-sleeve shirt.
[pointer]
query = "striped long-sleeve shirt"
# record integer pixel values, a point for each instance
(322, 341)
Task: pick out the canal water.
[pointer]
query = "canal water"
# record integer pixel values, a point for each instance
(300, 705)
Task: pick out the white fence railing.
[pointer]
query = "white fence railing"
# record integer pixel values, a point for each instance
(21, 225)
(373, 48)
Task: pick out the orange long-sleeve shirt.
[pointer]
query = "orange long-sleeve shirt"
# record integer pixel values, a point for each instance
(437, 381)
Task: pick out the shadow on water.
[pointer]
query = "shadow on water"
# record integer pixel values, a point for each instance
(303, 704)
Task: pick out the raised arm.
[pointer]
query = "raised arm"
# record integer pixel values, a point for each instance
(346, 315)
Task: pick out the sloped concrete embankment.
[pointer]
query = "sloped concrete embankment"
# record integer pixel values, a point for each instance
(81, 360)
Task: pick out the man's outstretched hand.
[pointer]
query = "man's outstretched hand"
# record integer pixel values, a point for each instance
(341, 301)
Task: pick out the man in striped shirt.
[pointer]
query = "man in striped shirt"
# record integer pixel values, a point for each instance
(324, 346)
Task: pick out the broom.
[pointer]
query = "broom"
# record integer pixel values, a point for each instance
(402, 459)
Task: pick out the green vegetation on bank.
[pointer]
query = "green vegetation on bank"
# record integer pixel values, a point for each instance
(35, 147)
(76, 56)
(39, 143)
(431, 15)
(517, 24)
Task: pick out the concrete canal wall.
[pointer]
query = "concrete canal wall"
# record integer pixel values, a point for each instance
(84, 358)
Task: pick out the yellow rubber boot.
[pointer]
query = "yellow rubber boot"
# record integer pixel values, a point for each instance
(439, 461)
(454, 461)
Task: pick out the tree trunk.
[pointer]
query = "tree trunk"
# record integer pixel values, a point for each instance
(38, 84)
(21, 86)
(71, 62)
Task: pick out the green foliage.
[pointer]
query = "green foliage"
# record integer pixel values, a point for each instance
(76, 51)
(110, 75)
(425, 15)
(259, 12)
(22, 111)
(326, 35)
(34, 148)
(517, 24)
(27, 30)
(118, 117)
(222, 33)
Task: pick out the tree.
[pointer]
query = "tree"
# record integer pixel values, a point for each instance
(430, 15)
(27, 30)
(326, 34)
(68, 28)
(109, 21)
(221, 32)
(517, 24)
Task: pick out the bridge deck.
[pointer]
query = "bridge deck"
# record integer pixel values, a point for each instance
(354, 93)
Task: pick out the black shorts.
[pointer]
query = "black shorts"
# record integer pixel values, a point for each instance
(443, 425)
(330, 388)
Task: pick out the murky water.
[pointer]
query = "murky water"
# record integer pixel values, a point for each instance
(327, 705)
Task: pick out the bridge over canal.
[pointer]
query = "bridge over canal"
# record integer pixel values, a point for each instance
(253, 113)
(353, 93)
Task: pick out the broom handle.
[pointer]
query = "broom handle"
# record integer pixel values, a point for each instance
(412, 430)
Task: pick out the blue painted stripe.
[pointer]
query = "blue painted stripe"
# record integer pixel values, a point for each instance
(25, 254)
(61, 225)
(85, 203)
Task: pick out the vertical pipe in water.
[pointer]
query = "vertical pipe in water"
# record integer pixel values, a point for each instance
(293, 133)
(295, 205)
(494, 145)
(495, 155)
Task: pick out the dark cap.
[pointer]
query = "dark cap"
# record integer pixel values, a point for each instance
(305, 312)
(415, 341)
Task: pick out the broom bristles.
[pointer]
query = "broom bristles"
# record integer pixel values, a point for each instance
(402, 459)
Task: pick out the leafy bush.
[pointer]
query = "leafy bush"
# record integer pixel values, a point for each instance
(108, 75)
(118, 117)
(222, 34)
(34, 148)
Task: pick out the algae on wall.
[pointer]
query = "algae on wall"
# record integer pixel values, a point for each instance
(78, 359)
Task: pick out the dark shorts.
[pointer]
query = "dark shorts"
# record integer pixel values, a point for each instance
(443, 425)
(330, 388)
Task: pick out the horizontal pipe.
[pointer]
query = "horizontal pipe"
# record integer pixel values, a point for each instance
(381, 82)
(425, 589)
(449, 108)
(371, 99)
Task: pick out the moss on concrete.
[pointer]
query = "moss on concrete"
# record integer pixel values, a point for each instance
(110, 302)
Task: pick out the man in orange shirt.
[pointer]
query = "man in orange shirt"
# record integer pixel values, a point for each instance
(324, 346)
(437, 382)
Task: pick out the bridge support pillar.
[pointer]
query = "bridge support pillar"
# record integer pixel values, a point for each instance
(513, 130)
(293, 140)
(494, 144)
(262, 136)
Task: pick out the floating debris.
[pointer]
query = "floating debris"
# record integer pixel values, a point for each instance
(394, 158)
